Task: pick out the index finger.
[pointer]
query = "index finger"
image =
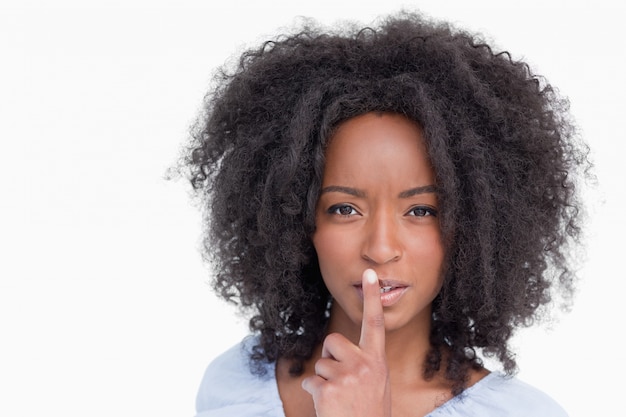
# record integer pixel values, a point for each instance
(373, 325)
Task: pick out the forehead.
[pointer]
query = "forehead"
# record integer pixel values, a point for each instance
(377, 143)
(383, 126)
(377, 155)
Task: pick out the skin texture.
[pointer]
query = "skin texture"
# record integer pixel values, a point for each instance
(505, 157)
(375, 224)
(370, 216)
(373, 213)
(353, 379)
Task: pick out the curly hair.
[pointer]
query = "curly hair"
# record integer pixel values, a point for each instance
(505, 154)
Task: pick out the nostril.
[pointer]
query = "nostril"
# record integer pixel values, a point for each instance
(382, 257)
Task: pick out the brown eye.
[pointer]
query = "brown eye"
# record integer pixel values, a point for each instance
(342, 210)
(423, 211)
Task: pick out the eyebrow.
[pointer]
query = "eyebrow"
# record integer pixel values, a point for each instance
(345, 190)
(425, 189)
(361, 194)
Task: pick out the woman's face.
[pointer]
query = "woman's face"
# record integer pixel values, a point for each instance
(378, 209)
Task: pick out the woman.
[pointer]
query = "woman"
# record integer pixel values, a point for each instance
(388, 202)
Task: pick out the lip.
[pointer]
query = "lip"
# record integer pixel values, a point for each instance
(388, 298)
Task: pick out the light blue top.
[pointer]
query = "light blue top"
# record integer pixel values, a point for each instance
(229, 389)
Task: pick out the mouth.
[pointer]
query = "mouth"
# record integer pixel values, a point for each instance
(390, 291)
(386, 289)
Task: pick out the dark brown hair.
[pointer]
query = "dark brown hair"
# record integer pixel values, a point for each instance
(505, 155)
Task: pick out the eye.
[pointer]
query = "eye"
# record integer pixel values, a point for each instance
(422, 211)
(342, 210)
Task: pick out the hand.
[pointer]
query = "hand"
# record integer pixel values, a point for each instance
(353, 380)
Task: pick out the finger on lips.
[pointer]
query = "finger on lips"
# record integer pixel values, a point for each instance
(337, 348)
(373, 325)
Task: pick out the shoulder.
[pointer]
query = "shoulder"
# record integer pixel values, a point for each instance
(229, 387)
(498, 395)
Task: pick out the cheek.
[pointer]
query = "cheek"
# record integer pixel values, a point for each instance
(428, 252)
(434, 250)
(326, 246)
(334, 251)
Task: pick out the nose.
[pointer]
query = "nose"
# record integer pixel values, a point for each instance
(381, 243)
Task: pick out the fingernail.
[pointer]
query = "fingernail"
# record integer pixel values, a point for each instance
(371, 277)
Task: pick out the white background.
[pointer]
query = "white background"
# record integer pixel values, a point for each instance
(104, 306)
